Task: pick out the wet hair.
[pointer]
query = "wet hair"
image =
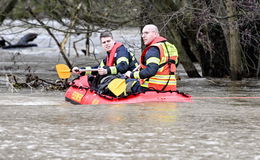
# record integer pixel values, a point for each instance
(106, 34)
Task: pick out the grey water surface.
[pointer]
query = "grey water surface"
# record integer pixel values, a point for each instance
(41, 125)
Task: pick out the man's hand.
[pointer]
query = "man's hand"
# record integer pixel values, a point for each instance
(102, 71)
(128, 74)
(76, 70)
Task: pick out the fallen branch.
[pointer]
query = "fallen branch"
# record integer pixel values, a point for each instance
(33, 81)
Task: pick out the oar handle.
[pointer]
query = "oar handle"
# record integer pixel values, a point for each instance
(96, 69)
(85, 70)
(136, 68)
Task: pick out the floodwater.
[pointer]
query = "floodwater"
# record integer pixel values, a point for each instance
(222, 122)
(41, 125)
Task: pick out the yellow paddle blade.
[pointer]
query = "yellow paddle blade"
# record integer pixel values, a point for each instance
(63, 71)
(117, 86)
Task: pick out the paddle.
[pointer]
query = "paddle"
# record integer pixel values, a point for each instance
(117, 86)
(64, 71)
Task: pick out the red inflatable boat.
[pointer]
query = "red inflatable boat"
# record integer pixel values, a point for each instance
(79, 93)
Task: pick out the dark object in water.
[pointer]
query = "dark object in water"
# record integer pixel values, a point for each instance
(3, 42)
(84, 51)
(23, 42)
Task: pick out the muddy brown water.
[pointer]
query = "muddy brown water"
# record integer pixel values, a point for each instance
(41, 125)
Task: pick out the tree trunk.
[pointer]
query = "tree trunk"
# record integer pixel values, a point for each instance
(9, 7)
(258, 68)
(88, 34)
(183, 56)
(87, 42)
(174, 35)
(234, 48)
(62, 51)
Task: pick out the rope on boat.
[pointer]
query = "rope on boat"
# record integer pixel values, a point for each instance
(122, 96)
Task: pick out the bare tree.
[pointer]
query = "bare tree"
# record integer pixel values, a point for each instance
(234, 41)
(7, 9)
(84, 18)
(221, 35)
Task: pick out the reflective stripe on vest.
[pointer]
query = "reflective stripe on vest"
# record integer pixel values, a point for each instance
(163, 78)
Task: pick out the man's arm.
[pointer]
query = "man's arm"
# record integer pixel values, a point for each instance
(121, 61)
(152, 59)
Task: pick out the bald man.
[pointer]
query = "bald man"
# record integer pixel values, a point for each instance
(158, 63)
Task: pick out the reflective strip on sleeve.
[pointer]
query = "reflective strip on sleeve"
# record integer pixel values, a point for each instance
(145, 84)
(137, 75)
(133, 56)
(122, 59)
(113, 70)
(153, 60)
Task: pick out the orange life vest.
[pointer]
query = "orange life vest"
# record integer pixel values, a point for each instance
(110, 58)
(164, 79)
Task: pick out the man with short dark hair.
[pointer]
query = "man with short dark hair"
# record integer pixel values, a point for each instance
(118, 59)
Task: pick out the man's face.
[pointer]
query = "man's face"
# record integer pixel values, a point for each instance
(148, 35)
(107, 43)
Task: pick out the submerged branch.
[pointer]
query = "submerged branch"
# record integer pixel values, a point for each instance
(33, 81)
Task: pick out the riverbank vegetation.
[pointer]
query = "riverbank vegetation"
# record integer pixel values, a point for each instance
(221, 35)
